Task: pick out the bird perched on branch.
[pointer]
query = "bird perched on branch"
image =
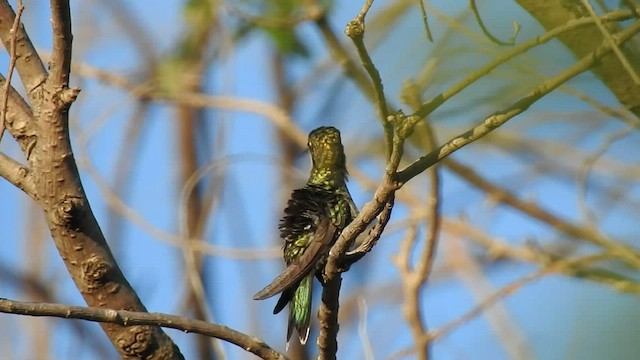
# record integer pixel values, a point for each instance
(313, 219)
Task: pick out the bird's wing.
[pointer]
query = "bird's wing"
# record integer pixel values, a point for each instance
(304, 264)
(353, 208)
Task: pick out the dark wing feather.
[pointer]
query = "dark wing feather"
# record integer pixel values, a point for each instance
(285, 297)
(304, 264)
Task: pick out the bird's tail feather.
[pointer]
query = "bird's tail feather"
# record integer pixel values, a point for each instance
(300, 310)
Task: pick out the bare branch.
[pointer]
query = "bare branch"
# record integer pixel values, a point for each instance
(374, 235)
(19, 119)
(60, 193)
(30, 67)
(355, 30)
(571, 25)
(132, 318)
(392, 181)
(328, 318)
(585, 40)
(608, 38)
(412, 284)
(12, 64)
(476, 13)
(17, 174)
(60, 63)
(493, 122)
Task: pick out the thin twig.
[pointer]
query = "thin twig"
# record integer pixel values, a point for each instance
(28, 64)
(392, 181)
(425, 21)
(585, 170)
(362, 329)
(608, 38)
(355, 30)
(493, 122)
(374, 235)
(441, 98)
(488, 302)
(12, 63)
(476, 13)
(411, 285)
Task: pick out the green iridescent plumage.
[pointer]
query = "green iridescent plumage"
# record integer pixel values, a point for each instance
(314, 217)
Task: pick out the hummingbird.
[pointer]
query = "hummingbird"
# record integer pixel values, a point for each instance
(313, 220)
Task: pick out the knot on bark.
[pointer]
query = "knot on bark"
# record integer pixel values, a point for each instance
(354, 28)
(137, 341)
(65, 97)
(95, 272)
(23, 172)
(68, 211)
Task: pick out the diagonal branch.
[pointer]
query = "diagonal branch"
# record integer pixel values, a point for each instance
(12, 65)
(583, 41)
(559, 31)
(17, 174)
(494, 121)
(30, 68)
(19, 118)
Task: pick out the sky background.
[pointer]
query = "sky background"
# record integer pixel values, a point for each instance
(557, 317)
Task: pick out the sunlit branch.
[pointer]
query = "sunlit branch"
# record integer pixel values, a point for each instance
(131, 318)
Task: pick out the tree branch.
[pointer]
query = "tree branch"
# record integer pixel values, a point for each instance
(55, 184)
(12, 64)
(19, 119)
(563, 28)
(328, 318)
(394, 180)
(17, 174)
(131, 318)
(610, 70)
(494, 121)
(355, 30)
(30, 68)
(60, 63)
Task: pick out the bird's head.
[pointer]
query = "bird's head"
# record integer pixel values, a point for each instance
(327, 157)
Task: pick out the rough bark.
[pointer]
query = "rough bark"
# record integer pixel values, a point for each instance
(43, 133)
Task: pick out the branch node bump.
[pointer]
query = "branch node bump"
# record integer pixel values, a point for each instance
(67, 96)
(492, 122)
(23, 172)
(136, 341)
(354, 28)
(69, 211)
(96, 272)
